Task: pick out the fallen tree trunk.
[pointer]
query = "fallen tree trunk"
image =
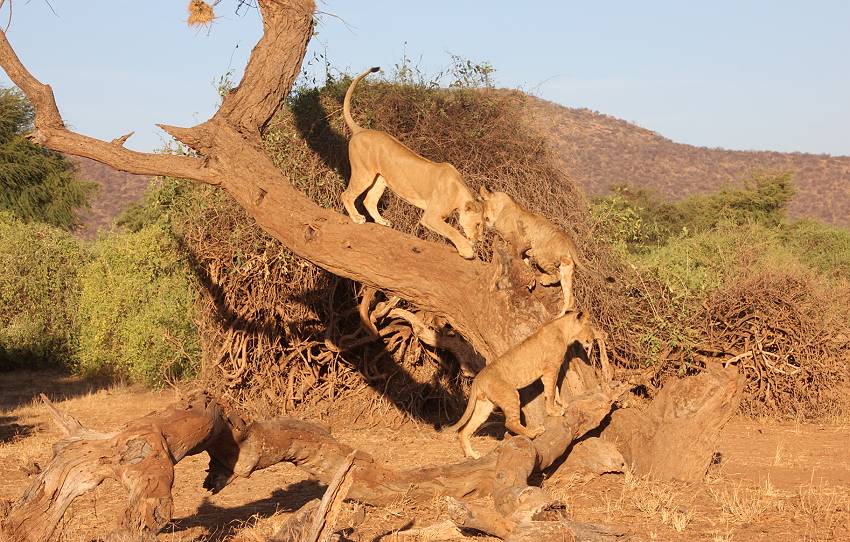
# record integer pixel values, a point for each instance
(675, 437)
(141, 456)
(501, 475)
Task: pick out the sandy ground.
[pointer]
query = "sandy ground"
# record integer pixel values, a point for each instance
(774, 481)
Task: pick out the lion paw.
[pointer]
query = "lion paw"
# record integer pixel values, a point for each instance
(384, 222)
(472, 454)
(537, 431)
(555, 411)
(466, 252)
(358, 219)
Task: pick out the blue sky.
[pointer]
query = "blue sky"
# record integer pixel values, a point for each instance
(746, 74)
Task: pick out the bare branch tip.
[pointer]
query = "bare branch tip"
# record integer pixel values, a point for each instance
(119, 141)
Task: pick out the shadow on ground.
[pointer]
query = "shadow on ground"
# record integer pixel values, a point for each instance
(222, 522)
(21, 387)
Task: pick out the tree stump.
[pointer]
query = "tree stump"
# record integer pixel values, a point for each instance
(675, 437)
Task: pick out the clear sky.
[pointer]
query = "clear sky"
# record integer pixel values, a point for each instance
(742, 74)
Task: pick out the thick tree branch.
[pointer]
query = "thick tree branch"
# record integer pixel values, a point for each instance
(273, 66)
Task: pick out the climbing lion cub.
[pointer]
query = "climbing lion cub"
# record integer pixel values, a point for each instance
(539, 356)
(552, 250)
(379, 160)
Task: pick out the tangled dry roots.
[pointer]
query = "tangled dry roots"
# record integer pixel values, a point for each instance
(791, 335)
(200, 13)
(281, 335)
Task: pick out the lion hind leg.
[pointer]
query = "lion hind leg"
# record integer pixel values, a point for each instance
(373, 196)
(360, 181)
(482, 411)
(436, 223)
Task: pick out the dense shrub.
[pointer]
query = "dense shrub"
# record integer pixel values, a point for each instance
(822, 247)
(35, 183)
(728, 276)
(636, 220)
(39, 290)
(136, 313)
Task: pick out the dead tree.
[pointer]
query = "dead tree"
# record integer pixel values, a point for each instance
(487, 303)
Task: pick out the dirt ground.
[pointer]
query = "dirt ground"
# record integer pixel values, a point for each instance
(773, 481)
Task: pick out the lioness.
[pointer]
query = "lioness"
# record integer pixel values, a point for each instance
(546, 244)
(379, 160)
(539, 356)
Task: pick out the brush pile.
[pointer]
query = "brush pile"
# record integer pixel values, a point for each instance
(790, 334)
(280, 334)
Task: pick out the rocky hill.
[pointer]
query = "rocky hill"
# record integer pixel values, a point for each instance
(116, 191)
(600, 151)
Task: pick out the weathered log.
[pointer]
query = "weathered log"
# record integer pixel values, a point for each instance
(589, 458)
(315, 521)
(675, 437)
(501, 475)
(140, 456)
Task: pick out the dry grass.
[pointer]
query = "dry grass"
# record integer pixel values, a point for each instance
(742, 504)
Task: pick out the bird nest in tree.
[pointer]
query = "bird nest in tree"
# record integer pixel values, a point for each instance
(200, 13)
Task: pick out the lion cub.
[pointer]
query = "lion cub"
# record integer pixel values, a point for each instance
(548, 246)
(539, 356)
(379, 160)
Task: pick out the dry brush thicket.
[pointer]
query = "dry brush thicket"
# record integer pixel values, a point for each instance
(280, 331)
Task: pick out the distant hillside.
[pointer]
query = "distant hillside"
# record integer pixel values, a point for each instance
(117, 191)
(600, 151)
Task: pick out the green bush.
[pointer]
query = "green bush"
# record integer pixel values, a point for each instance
(636, 221)
(137, 308)
(822, 247)
(39, 289)
(693, 266)
(35, 183)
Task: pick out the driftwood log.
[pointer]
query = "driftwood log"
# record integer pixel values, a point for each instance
(142, 455)
(675, 437)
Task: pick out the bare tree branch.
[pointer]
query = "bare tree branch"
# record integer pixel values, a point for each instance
(50, 131)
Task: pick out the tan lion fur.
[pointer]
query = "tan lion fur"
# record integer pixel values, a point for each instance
(540, 356)
(378, 160)
(532, 235)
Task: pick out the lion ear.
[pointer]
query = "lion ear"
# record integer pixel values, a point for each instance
(485, 193)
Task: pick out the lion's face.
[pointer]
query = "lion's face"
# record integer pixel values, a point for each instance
(494, 204)
(471, 219)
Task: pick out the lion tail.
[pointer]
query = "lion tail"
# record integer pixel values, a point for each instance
(582, 265)
(346, 103)
(470, 408)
